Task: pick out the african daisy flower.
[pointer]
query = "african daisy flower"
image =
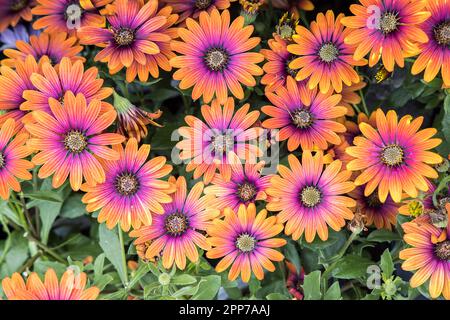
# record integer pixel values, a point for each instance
(12, 163)
(310, 197)
(246, 242)
(68, 15)
(324, 59)
(245, 186)
(389, 36)
(53, 46)
(54, 82)
(193, 8)
(72, 286)
(305, 118)
(381, 214)
(214, 57)
(435, 54)
(428, 256)
(350, 96)
(133, 188)
(180, 230)
(12, 85)
(68, 139)
(11, 11)
(394, 157)
(136, 30)
(225, 138)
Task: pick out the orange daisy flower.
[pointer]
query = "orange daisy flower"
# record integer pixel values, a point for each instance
(224, 139)
(305, 118)
(246, 242)
(435, 54)
(214, 57)
(133, 188)
(394, 157)
(68, 15)
(310, 198)
(428, 256)
(324, 58)
(11, 11)
(54, 82)
(136, 31)
(350, 96)
(177, 233)
(193, 8)
(52, 46)
(391, 34)
(69, 137)
(71, 287)
(12, 163)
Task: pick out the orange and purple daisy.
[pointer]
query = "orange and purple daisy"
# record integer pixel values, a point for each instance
(324, 59)
(395, 157)
(224, 139)
(12, 163)
(69, 137)
(245, 186)
(12, 11)
(54, 82)
(388, 30)
(305, 117)
(193, 8)
(136, 30)
(178, 232)
(53, 46)
(72, 286)
(133, 188)
(246, 241)
(428, 256)
(68, 15)
(435, 54)
(381, 214)
(215, 57)
(310, 197)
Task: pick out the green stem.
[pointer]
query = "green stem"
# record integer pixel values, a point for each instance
(124, 258)
(47, 250)
(8, 239)
(27, 215)
(364, 104)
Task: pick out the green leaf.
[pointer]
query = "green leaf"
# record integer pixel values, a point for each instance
(73, 207)
(6, 211)
(386, 264)
(311, 286)
(276, 296)
(351, 267)
(207, 288)
(102, 281)
(383, 235)
(109, 242)
(99, 265)
(44, 195)
(183, 280)
(41, 267)
(333, 292)
(446, 119)
(16, 256)
(50, 210)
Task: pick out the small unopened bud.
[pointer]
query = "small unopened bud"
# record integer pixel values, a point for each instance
(357, 225)
(164, 279)
(439, 217)
(443, 166)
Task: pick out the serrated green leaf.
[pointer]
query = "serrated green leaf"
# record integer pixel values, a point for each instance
(351, 267)
(109, 242)
(333, 292)
(311, 286)
(386, 264)
(207, 288)
(183, 280)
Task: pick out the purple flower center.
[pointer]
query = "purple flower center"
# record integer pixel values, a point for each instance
(18, 5)
(216, 59)
(124, 36)
(75, 141)
(2, 160)
(373, 201)
(328, 52)
(289, 71)
(442, 33)
(442, 250)
(202, 4)
(310, 196)
(392, 155)
(245, 242)
(247, 191)
(302, 118)
(389, 22)
(176, 224)
(127, 184)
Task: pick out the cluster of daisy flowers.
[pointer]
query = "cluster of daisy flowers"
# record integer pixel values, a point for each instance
(61, 122)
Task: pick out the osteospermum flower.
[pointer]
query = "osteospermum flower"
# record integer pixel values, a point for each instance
(136, 30)
(350, 96)
(394, 157)
(53, 46)
(133, 188)
(13, 83)
(214, 57)
(224, 139)
(324, 58)
(277, 68)
(54, 82)
(72, 286)
(12, 162)
(11, 11)
(68, 139)
(9, 36)
(68, 15)
(428, 256)
(246, 186)
(310, 197)
(180, 230)
(390, 34)
(193, 8)
(246, 242)
(435, 54)
(381, 214)
(305, 118)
